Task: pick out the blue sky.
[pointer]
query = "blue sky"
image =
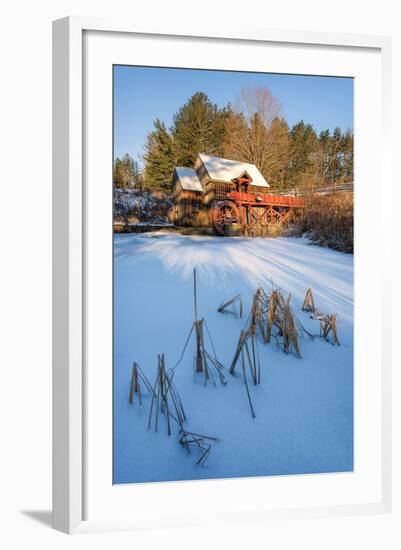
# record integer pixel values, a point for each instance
(142, 94)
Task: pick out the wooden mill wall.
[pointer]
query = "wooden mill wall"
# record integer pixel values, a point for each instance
(192, 208)
(188, 208)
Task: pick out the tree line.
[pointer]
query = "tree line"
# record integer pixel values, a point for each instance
(126, 172)
(252, 130)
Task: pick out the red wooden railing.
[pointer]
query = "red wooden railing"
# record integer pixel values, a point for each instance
(265, 199)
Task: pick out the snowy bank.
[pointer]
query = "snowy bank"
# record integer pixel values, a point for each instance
(134, 206)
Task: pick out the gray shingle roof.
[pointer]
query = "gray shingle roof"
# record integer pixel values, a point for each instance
(188, 179)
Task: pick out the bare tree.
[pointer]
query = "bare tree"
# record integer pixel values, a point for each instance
(257, 100)
(255, 133)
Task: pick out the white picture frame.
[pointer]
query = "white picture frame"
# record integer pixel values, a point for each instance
(70, 256)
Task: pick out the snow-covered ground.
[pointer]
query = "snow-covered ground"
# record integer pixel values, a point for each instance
(304, 407)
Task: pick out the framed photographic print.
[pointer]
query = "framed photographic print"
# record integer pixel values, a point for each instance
(216, 204)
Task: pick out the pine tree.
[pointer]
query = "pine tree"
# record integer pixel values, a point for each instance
(324, 155)
(303, 158)
(337, 156)
(347, 150)
(117, 176)
(198, 127)
(124, 172)
(160, 157)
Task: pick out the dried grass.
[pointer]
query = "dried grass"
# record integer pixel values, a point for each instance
(272, 230)
(329, 220)
(273, 316)
(328, 322)
(233, 305)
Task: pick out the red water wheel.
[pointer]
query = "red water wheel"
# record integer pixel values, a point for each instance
(224, 213)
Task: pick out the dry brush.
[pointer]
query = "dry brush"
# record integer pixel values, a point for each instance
(329, 220)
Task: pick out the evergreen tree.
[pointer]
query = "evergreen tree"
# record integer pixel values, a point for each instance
(254, 132)
(337, 171)
(124, 172)
(347, 151)
(325, 156)
(198, 127)
(336, 156)
(117, 176)
(160, 157)
(303, 149)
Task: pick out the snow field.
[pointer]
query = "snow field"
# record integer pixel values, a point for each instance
(304, 407)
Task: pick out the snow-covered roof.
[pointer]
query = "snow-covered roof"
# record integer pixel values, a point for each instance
(188, 178)
(225, 170)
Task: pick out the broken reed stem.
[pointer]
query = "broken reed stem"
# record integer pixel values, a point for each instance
(329, 325)
(200, 359)
(252, 358)
(251, 361)
(237, 351)
(231, 306)
(274, 311)
(195, 297)
(165, 398)
(243, 354)
(289, 330)
(246, 384)
(203, 359)
(272, 315)
(328, 322)
(138, 379)
(309, 302)
(192, 439)
(134, 386)
(259, 312)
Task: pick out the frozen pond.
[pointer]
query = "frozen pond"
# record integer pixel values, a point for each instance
(304, 407)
